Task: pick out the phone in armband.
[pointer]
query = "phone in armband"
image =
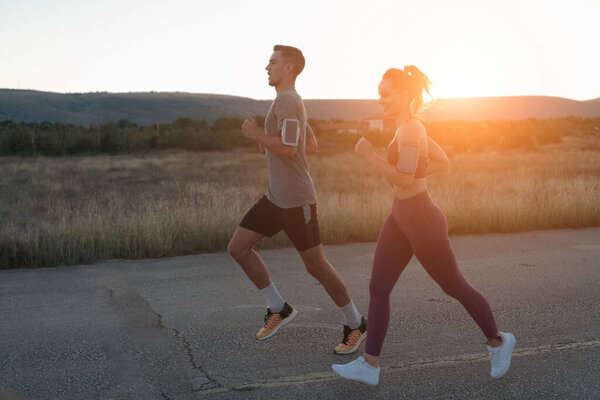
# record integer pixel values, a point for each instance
(408, 157)
(290, 133)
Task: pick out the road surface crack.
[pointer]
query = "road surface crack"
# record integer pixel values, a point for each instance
(417, 364)
(138, 311)
(211, 382)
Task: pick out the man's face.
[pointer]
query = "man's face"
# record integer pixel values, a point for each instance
(277, 68)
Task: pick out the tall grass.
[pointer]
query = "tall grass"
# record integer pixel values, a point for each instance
(77, 210)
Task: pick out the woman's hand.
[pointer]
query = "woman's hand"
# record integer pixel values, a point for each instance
(364, 148)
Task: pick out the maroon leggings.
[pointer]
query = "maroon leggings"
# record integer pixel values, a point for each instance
(417, 226)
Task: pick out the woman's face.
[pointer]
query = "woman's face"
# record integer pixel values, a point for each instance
(392, 100)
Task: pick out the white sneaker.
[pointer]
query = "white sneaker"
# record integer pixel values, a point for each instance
(501, 355)
(358, 370)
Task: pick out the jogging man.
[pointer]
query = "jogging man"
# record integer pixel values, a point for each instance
(289, 204)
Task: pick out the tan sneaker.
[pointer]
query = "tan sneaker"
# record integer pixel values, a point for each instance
(275, 321)
(353, 338)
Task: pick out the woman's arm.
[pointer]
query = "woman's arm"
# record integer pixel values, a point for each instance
(438, 160)
(414, 137)
(384, 169)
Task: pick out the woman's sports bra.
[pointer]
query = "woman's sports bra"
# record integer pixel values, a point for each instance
(392, 158)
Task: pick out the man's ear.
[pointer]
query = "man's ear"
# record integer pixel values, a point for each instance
(289, 68)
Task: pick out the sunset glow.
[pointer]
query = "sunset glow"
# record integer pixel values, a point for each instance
(468, 48)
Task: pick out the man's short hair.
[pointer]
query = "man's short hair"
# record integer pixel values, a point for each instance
(292, 55)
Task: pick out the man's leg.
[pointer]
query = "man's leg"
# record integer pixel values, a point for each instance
(320, 268)
(241, 248)
(355, 326)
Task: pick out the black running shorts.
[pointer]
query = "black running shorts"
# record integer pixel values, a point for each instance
(299, 223)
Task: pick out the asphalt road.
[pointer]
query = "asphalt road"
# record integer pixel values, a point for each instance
(183, 328)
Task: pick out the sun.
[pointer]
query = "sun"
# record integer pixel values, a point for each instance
(464, 67)
(483, 61)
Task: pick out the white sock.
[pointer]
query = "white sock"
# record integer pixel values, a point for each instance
(352, 317)
(273, 298)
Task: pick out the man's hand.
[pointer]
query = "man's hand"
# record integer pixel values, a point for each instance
(250, 127)
(261, 148)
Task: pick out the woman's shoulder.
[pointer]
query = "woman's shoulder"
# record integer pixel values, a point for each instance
(413, 129)
(415, 123)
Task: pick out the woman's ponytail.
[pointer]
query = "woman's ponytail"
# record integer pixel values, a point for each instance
(417, 83)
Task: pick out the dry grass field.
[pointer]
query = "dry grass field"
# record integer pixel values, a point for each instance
(73, 210)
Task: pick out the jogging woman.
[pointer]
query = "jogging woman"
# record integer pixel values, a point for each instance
(415, 226)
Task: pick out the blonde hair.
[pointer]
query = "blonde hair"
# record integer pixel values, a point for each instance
(413, 80)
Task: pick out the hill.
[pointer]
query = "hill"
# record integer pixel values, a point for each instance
(146, 108)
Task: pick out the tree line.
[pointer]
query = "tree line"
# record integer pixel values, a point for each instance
(56, 139)
(478, 136)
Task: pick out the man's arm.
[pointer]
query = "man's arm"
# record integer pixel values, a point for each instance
(275, 144)
(251, 130)
(311, 141)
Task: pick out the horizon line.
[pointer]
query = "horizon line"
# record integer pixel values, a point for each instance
(270, 99)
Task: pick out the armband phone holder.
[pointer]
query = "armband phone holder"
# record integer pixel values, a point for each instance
(290, 133)
(408, 157)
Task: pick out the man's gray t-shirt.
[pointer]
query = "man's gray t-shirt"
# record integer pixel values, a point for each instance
(290, 184)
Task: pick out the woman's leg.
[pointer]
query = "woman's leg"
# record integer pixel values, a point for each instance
(429, 240)
(392, 254)
(431, 245)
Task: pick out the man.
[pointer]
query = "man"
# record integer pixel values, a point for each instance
(289, 204)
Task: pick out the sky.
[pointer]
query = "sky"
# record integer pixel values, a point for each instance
(467, 48)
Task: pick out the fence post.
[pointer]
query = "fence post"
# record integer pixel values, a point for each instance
(62, 141)
(157, 134)
(33, 140)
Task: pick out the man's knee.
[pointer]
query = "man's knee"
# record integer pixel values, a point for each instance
(313, 260)
(313, 266)
(315, 263)
(238, 250)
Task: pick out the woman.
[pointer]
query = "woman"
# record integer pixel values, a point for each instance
(415, 226)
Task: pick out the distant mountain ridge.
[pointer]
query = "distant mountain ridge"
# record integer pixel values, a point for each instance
(149, 107)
